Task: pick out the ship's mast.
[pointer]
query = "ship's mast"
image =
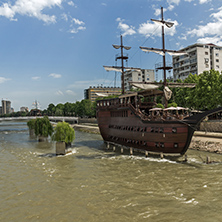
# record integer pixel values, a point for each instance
(163, 50)
(122, 64)
(121, 68)
(163, 45)
(122, 57)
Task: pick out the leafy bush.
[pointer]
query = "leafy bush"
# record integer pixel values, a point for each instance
(63, 133)
(43, 127)
(159, 105)
(31, 124)
(172, 104)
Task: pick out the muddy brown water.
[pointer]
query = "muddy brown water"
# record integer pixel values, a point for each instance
(93, 184)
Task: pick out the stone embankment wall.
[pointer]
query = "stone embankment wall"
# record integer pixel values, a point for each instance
(209, 146)
(209, 138)
(211, 126)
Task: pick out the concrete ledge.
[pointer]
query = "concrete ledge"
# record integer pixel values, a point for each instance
(208, 134)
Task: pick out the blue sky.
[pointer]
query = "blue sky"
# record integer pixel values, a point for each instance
(51, 50)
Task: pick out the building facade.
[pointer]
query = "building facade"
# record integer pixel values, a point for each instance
(6, 107)
(199, 58)
(24, 109)
(92, 93)
(145, 75)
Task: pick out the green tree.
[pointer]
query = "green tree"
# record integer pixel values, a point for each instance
(43, 127)
(51, 109)
(59, 109)
(63, 133)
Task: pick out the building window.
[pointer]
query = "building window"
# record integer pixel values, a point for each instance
(217, 54)
(206, 60)
(206, 53)
(217, 67)
(217, 60)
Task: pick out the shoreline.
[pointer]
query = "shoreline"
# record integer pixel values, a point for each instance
(202, 141)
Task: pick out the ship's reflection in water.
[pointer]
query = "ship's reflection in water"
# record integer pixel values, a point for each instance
(93, 184)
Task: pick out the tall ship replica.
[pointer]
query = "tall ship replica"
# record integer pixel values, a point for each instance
(131, 120)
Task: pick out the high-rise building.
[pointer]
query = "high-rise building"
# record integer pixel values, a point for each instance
(145, 75)
(92, 93)
(6, 107)
(199, 58)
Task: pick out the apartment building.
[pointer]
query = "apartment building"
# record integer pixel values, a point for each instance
(145, 75)
(199, 58)
(92, 93)
(6, 107)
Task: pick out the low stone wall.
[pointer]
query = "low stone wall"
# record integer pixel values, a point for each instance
(208, 146)
(211, 126)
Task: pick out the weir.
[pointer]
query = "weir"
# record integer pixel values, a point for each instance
(51, 118)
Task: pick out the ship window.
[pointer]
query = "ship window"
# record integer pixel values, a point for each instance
(156, 130)
(152, 130)
(157, 145)
(176, 145)
(162, 145)
(174, 130)
(161, 130)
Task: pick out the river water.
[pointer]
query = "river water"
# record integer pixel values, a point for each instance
(95, 184)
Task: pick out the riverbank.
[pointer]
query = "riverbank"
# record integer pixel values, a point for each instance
(203, 141)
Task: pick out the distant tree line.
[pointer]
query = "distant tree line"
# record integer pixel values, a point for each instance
(85, 108)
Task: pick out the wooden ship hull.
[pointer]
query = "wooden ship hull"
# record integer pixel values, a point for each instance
(126, 126)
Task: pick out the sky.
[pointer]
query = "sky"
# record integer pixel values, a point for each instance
(51, 50)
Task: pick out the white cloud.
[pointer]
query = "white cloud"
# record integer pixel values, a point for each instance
(150, 29)
(176, 2)
(55, 76)
(36, 78)
(77, 26)
(71, 3)
(59, 93)
(211, 31)
(81, 28)
(204, 1)
(215, 40)
(70, 92)
(31, 8)
(65, 17)
(104, 4)
(126, 29)
(77, 21)
(3, 79)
